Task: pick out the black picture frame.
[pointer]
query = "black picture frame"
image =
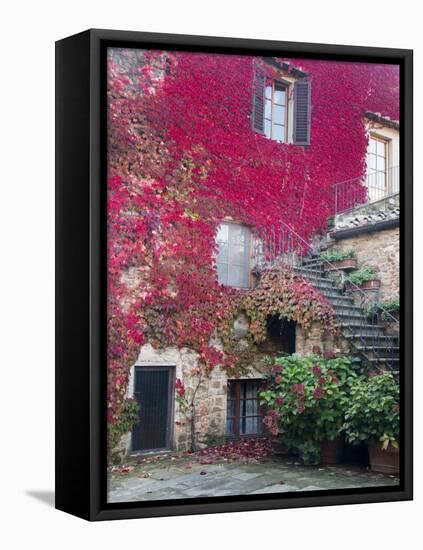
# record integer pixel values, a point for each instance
(81, 274)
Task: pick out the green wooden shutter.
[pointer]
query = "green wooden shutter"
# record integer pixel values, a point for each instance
(257, 116)
(302, 112)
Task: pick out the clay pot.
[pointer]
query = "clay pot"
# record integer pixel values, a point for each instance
(374, 284)
(345, 265)
(331, 451)
(384, 461)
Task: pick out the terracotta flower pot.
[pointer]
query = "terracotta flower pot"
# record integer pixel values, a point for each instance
(386, 462)
(374, 284)
(331, 451)
(346, 265)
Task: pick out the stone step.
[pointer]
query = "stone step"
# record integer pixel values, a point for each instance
(309, 273)
(313, 264)
(323, 285)
(341, 300)
(373, 340)
(360, 329)
(350, 318)
(386, 360)
(334, 293)
(342, 309)
(380, 349)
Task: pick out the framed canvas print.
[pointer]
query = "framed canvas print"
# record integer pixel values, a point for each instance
(234, 274)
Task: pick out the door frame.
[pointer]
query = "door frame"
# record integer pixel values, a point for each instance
(170, 412)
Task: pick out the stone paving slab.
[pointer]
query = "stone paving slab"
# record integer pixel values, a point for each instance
(183, 478)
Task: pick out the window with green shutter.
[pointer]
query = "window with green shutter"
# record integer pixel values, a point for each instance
(281, 110)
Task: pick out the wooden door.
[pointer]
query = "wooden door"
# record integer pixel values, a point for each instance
(153, 391)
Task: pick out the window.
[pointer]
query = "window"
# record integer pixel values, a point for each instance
(275, 111)
(233, 258)
(281, 110)
(377, 167)
(243, 416)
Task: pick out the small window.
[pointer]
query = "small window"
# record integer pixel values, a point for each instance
(281, 111)
(233, 258)
(275, 111)
(377, 167)
(243, 416)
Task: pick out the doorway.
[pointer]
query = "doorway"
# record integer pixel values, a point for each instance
(153, 390)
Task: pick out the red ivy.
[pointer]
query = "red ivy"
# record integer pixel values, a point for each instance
(182, 156)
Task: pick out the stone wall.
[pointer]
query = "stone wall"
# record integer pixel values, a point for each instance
(380, 251)
(317, 337)
(211, 396)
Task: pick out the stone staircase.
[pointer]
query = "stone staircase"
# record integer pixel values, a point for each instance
(369, 340)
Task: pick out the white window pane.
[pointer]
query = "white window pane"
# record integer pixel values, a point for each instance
(268, 109)
(238, 276)
(279, 114)
(371, 162)
(372, 145)
(278, 132)
(223, 233)
(249, 426)
(381, 163)
(267, 127)
(268, 92)
(239, 255)
(223, 254)
(252, 389)
(240, 235)
(380, 181)
(280, 95)
(251, 407)
(380, 148)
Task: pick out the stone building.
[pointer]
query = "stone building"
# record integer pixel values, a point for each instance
(369, 223)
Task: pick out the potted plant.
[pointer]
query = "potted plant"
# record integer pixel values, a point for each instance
(364, 278)
(305, 398)
(385, 311)
(373, 416)
(339, 259)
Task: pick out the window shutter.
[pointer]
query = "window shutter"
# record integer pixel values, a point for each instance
(257, 116)
(302, 112)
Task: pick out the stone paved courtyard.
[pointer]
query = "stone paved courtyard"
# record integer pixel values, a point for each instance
(167, 477)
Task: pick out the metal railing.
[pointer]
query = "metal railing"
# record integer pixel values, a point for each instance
(374, 186)
(282, 247)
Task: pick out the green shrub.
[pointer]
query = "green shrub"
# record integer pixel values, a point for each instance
(361, 276)
(337, 255)
(373, 411)
(129, 416)
(305, 398)
(384, 309)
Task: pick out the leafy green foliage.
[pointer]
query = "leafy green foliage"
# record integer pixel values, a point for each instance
(127, 418)
(337, 255)
(361, 276)
(373, 411)
(384, 309)
(305, 398)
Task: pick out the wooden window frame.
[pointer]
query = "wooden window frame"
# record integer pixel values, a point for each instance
(237, 418)
(386, 143)
(287, 86)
